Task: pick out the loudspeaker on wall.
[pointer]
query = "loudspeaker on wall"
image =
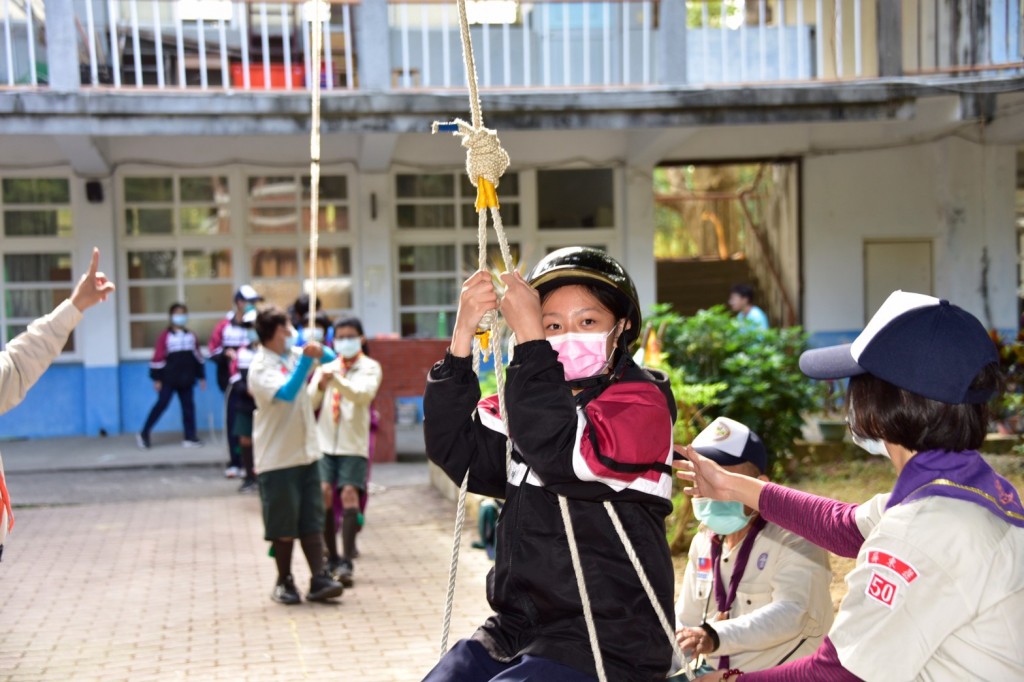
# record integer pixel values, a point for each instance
(94, 191)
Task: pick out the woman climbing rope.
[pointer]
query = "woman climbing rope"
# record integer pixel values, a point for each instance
(586, 424)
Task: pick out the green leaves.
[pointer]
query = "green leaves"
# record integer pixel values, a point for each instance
(720, 366)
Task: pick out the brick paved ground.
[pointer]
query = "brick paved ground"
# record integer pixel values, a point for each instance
(179, 589)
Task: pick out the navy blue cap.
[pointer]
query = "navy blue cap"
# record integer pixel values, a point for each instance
(919, 343)
(728, 442)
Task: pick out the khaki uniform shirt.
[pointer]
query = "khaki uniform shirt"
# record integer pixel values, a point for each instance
(782, 609)
(25, 359)
(937, 594)
(343, 426)
(284, 433)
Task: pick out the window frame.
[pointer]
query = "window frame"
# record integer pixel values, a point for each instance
(40, 245)
(533, 242)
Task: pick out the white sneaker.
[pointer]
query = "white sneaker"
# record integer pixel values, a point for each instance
(188, 444)
(232, 472)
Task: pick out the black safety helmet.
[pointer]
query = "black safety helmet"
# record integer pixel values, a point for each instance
(592, 267)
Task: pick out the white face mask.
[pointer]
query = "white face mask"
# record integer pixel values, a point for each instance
(874, 446)
(347, 348)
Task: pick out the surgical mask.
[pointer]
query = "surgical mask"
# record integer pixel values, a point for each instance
(313, 334)
(249, 308)
(252, 335)
(722, 518)
(290, 341)
(875, 446)
(582, 354)
(348, 348)
(179, 319)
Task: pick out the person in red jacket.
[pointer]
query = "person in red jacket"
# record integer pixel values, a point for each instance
(588, 426)
(175, 368)
(227, 337)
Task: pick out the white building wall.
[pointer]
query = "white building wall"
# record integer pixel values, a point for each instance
(954, 192)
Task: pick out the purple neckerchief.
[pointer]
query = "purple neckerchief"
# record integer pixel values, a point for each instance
(722, 600)
(962, 476)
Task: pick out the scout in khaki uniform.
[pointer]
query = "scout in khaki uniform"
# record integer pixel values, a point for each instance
(754, 595)
(29, 354)
(937, 593)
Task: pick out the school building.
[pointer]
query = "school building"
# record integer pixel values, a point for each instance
(829, 152)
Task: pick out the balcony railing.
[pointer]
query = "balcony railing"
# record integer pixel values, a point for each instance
(249, 45)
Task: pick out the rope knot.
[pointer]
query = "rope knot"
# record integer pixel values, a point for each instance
(486, 159)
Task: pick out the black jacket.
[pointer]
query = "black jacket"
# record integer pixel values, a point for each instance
(610, 443)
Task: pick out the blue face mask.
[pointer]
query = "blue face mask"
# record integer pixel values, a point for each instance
(290, 341)
(347, 348)
(253, 336)
(722, 518)
(179, 319)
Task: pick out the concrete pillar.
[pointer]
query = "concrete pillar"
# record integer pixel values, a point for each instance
(97, 332)
(638, 233)
(373, 45)
(890, 38)
(61, 45)
(672, 44)
(375, 290)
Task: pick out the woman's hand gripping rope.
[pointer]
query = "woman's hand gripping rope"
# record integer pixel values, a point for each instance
(478, 297)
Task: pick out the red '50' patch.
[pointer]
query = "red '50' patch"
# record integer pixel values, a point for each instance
(881, 590)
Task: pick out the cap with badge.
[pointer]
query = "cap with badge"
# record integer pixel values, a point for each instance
(247, 293)
(919, 343)
(728, 442)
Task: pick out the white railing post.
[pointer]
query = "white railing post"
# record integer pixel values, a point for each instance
(8, 42)
(158, 43)
(90, 27)
(243, 39)
(346, 16)
(133, 16)
(115, 47)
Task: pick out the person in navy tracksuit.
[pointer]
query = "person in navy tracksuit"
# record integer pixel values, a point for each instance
(175, 368)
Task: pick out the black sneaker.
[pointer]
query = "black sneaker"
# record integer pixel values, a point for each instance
(249, 485)
(343, 572)
(285, 592)
(323, 587)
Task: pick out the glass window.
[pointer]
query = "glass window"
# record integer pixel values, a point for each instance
(431, 274)
(279, 204)
(33, 285)
(36, 207)
(191, 216)
(189, 205)
(279, 216)
(574, 199)
(36, 274)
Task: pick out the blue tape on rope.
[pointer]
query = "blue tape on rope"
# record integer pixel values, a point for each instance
(448, 127)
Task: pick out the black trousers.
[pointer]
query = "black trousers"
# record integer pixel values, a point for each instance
(188, 409)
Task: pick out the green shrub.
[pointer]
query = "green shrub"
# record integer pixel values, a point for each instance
(747, 374)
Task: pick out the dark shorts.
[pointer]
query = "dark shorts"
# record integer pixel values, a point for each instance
(243, 425)
(342, 470)
(293, 505)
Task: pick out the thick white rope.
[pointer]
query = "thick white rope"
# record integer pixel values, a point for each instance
(588, 614)
(648, 588)
(460, 520)
(314, 157)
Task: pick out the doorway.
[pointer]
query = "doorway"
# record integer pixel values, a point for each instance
(720, 224)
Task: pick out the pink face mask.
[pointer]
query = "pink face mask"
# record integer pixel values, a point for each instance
(582, 354)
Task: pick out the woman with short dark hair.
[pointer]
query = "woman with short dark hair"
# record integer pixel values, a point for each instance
(938, 589)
